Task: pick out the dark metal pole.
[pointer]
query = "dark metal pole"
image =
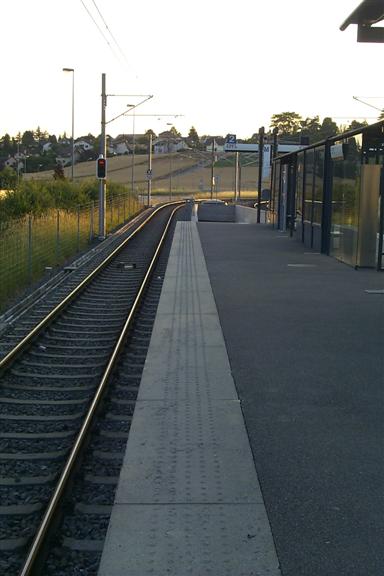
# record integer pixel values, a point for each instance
(273, 166)
(73, 126)
(236, 176)
(261, 158)
(212, 168)
(273, 153)
(149, 173)
(381, 222)
(103, 153)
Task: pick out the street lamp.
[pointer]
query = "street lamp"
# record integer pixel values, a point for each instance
(73, 117)
(170, 163)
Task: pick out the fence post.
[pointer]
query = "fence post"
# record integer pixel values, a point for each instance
(30, 248)
(78, 228)
(57, 236)
(91, 221)
(124, 208)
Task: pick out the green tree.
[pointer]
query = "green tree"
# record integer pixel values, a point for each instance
(6, 144)
(40, 134)
(311, 127)
(28, 138)
(150, 131)
(381, 115)
(8, 179)
(356, 124)
(328, 128)
(287, 123)
(193, 138)
(174, 132)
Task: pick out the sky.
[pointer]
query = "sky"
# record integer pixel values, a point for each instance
(222, 66)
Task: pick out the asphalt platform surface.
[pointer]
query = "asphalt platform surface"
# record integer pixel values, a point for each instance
(305, 342)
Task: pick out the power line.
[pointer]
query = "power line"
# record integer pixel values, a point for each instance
(110, 32)
(99, 29)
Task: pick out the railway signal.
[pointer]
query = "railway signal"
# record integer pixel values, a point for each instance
(101, 168)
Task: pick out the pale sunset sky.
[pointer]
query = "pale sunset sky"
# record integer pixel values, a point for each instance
(225, 65)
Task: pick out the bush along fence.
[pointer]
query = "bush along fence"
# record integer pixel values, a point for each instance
(32, 245)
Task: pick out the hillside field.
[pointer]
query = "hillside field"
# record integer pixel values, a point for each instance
(181, 173)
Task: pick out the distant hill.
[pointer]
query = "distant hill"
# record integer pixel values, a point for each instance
(186, 172)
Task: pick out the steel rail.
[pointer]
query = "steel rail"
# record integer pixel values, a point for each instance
(68, 469)
(20, 347)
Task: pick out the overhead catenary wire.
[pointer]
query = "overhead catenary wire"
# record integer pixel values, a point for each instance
(110, 32)
(99, 29)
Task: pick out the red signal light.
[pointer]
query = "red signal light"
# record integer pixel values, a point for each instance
(101, 169)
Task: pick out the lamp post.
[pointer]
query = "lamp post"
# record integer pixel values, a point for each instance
(73, 117)
(170, 163)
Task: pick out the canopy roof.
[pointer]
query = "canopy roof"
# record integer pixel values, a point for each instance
(367, 13)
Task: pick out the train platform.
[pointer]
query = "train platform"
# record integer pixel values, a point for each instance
(256, 446)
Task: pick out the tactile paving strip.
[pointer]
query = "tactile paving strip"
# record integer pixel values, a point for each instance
(188, 500)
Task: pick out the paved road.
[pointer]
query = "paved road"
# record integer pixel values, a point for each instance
(306, 350)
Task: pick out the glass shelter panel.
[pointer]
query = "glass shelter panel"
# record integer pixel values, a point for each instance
(318, 185)
(275, 195)
(346, 172)
(308, 194)
(299, 194)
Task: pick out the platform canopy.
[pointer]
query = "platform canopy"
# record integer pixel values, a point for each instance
(368, 13)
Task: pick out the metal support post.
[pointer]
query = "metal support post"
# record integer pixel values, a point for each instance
(380, 253)
(236, 176)
(170, 176)
(73, 127)
(133, 156)
(213, 168)
(261, 158)
(149, 171)
(103, 153)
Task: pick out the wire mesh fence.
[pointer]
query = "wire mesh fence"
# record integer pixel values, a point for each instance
(32, 246)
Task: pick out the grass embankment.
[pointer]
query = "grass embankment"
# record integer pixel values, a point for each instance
(43, 224)
(186, 173)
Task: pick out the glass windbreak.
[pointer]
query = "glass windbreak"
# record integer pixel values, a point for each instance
(308, 194)
(346, 170)
(275, 194)
(318, 185)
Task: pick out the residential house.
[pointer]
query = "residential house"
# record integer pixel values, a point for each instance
(168, 142)
(47, 147)
(219, 143)
(83, 144)
(123, 144)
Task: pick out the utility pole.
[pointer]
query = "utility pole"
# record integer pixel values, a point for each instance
(149, 171)
(170, 168)
(236, 176)
(212, 168)
(273, 156)
(133, 156)
(261, 159)
(103, 154)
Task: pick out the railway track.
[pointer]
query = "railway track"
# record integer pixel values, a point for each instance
(54, 401)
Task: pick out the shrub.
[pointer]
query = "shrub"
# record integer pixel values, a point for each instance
(37, 197)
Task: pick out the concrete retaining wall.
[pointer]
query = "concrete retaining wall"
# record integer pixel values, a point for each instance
(245, 215)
